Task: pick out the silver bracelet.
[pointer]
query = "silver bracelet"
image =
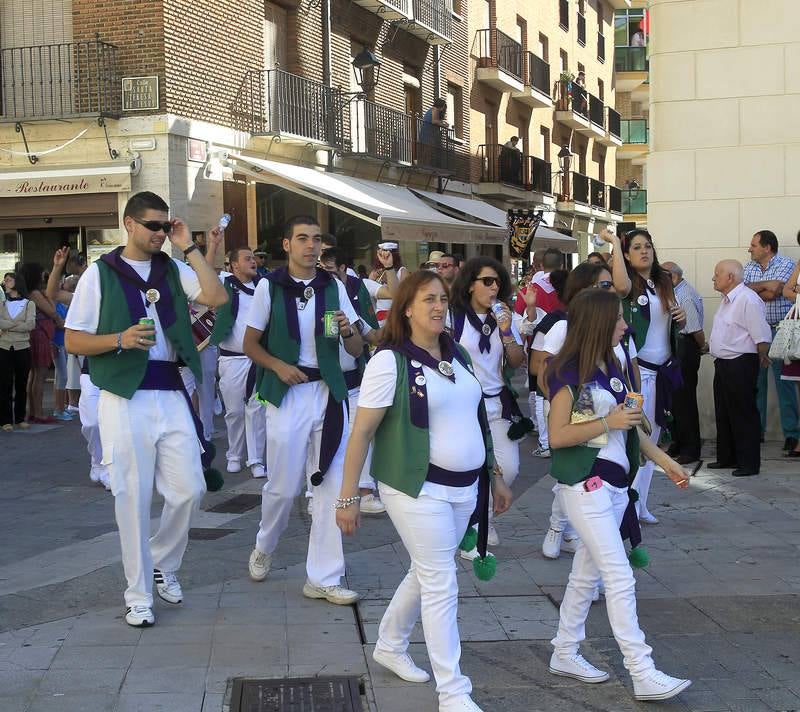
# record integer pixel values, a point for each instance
(345, 502)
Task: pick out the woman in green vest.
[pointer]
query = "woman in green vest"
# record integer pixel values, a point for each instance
(648, 301)
(423, 406)
(595, 454)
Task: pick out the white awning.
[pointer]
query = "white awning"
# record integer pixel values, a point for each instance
(399, 213)
(545, 236)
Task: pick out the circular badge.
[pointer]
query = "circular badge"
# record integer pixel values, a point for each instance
(651, 284)
(420, 380)
(152, 295)
(308, 292)
(642, 300)
(486, 329)
(415, 364)
(616, 385)
(635, 309)
(445, 368)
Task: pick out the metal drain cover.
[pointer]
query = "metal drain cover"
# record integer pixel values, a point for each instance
(305, 694)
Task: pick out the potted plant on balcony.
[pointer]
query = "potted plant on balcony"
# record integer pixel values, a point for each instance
(564, 90)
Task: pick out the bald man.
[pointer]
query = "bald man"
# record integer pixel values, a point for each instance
(740, 339)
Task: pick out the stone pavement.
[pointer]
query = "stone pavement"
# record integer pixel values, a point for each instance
(718, 602)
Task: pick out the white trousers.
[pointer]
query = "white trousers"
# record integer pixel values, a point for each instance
(506, 451)
(294, 433)
(246, 420)
(641, 482)
(558, 517)
(596, 517)
(73, 373)
(532, 407)
(150, 439)
(207, 390)
(431, 530)
(87, 411)
(541, 420)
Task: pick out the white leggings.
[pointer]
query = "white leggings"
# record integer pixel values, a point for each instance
(541, 420)
(641, 482)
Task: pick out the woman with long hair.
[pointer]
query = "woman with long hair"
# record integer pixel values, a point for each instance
(648, 301)
(495, 347)
(17, 320)
(595, 454)
(432, 455)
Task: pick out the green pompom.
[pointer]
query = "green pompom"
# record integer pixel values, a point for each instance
(214, 479)
(639, 558)
(470, 539)
(485, 568)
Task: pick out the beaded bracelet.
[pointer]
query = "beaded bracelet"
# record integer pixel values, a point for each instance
(345, 502)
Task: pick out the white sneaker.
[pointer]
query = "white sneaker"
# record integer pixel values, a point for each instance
(257, 470)
(370, 504)
(401, 665)
(576, 666)
(259, 564)
(647, 518)
(464, 703)
(73, 409)
(541, 452)
(310, 505)
(658, 686)
(493, 538)
(570, 545)
(98, 473)
(551, 546)
(332, 594)
(139, 616)
(472, 554)
(234, 466)
(167, 586)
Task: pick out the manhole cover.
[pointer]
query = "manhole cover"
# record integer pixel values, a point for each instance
(209, 534)
(307, 694)
(238, 504)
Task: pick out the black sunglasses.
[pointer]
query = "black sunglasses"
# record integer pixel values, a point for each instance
(488, 281)
(155, 225)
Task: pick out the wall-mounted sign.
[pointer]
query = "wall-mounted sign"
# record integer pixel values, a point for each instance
(196, 150)
(139, 93)
(73, 183)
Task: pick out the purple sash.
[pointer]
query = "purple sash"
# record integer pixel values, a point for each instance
(668, 380)
(236, 287)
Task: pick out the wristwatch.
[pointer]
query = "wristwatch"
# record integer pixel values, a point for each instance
(189, 250)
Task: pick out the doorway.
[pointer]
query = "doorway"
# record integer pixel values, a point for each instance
(39, 245)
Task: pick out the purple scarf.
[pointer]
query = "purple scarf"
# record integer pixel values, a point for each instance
(293, 290)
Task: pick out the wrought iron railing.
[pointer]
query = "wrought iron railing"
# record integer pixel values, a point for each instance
(614, 199)
(401, 5)
(581, 29)
(539, 172)
(596, 112)
(59, 81)
(614, 123)
(497, 49)
(631, 59)
(634, 201)
(272, 101)
(601, 47)
(597, 193)
(435, 15)
(538, 74)
(578, 99)
(502, 164)
(580, 188)
(633, 130)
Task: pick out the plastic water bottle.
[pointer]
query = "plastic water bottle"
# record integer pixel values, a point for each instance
(497, 308)
(224, 221)
(598, 241)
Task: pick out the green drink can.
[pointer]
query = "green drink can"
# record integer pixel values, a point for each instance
(330, 325)
(145, 321)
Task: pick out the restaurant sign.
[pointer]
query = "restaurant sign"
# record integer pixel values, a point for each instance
(38, 185)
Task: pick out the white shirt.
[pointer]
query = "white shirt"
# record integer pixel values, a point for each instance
(555, 338)
(84, 310)
(656, 349)
(382, 306)
(456, 440)
(488, 366)
(261, 308)
(16, 307)
(739, 324)
(235, 340)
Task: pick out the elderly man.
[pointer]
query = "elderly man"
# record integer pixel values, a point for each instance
(766, 274)
(740, 339)
(685, 446)
(446, 267)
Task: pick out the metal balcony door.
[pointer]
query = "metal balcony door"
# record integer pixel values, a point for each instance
(276, 32)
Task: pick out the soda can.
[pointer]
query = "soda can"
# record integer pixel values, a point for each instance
(634, 400)
(330, 325)
(146, 321)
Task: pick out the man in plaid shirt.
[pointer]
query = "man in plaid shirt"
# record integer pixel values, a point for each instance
(766, 274)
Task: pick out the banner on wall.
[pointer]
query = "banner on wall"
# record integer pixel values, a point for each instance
(522, 226)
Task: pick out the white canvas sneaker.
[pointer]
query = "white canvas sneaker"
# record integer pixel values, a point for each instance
(370, 504)
(552, 544)
(167, 586)
(139, 616)
(332, 594)
(258, 565)
(577, 667)
(658, 686)
(401, 665)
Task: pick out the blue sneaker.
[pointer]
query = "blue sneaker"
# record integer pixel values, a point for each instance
(62, 415)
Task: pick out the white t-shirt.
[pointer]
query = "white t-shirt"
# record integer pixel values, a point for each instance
(554, 340)
(235, 340)
(84, 310)
(261, 308)
(656, 347)
(488, 366)
(16, 307)
(382, 306)
(456, 440)
(614, 450)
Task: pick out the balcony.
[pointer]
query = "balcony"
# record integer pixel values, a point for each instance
(430, 20)
(634, 135)
(500, 62)
(634, 202)
(581, 195)
(59, 81)
(536, 93)
(510, 175)
(612, 133)
(271, 102)
(385, 134)
(391, 10)
(614, 201)
(572, 106)
(632, 67)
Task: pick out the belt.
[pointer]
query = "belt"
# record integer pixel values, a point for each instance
(234, 354)
(314, 374)
(440, 476)
(162, 376)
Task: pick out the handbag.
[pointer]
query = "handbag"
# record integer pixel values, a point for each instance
(786, 344)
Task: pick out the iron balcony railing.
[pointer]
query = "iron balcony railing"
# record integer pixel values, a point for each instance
(502, 164)
(538, 74)
(634, 201)
(614, 122)
(597, 193)
(596, 110)
(572, 96)
(59, 81)
(435, 15)
(614, 199)
(582, 29)
(601, 47)
(497, 49)
(539, 173)
(563, 13)
(580, 188)
(631, 59)
(271, 101)
(633, 131)
(401, 5)
(387, 134)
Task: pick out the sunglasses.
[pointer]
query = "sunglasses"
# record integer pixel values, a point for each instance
(488, 281)
(154, 225)
(444, 265)
(604, 284)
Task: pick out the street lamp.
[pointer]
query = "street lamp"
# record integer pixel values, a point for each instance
(564, 159)
(367, 69)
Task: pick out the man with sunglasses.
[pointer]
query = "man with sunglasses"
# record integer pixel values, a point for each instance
(446, 267)
(148, 431)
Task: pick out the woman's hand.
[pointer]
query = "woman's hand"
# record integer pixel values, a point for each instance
(386, 258)
(676, 473)
(609, 236)
(678, 315)
(622, 418)
(501, 494)
(347, 518)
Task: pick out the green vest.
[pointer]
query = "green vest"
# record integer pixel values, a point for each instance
(401, 451)
(277, 342)
(640, 325)
(224, 321)
(122, 373)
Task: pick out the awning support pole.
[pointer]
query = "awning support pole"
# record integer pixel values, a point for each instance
(111, 151)
(20, 130)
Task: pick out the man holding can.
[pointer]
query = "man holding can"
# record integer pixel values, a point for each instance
(147, 430)
(298, 317)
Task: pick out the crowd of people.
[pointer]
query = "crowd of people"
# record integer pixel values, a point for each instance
(396, 391)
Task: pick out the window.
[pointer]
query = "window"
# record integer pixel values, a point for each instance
(581, 24)
(544, 143)
(564, 60)
(544, 48)
(455, 109)
(601, 40)
(454, 6)
(630, 28)
(563, 14)
(601, 88)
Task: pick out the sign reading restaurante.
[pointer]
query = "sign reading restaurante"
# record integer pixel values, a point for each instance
(64, 185)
